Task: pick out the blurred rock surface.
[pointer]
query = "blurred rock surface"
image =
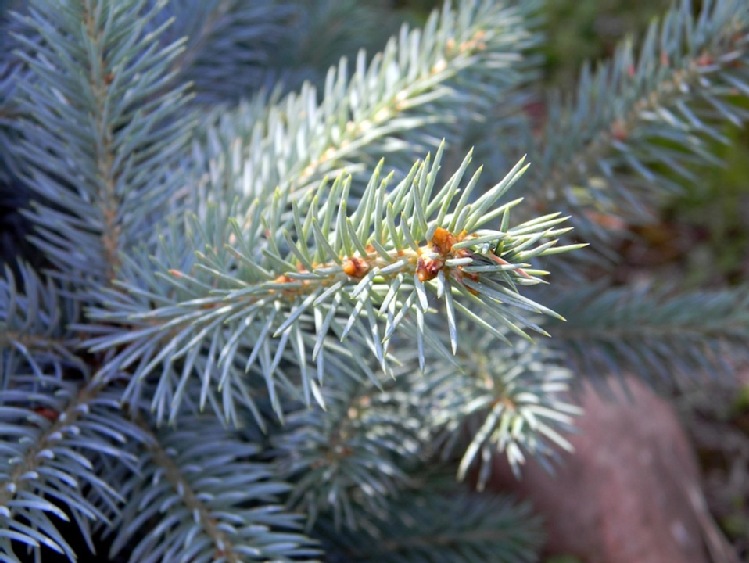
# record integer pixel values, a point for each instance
(630, 493)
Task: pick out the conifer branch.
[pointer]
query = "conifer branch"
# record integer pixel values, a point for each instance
(107, 144)
(461, 527)
(324, 32)
(208, 499)
(8, 112)
(50, 432)
(653, 333)
(230, 44)
(109, 202)
(363, 276)
(32, 324)
(380, 316)
(11, 73)
(421, 87)
(639, 123)
(347, 460)
(509, 399)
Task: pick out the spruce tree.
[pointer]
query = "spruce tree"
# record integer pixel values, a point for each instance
(256, 309)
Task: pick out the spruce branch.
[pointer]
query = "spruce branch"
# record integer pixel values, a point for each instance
(230, 44)
(654, 333)
(510, 399)
(198, 496)
(50, 432)
(33, 316)
(236, 50)
(281, 295)
(379, 315)
(97, 139)
(12, 73)
(8, 112)
(421, 88)
(637, 125)
(461, 527)
(347, 462)
(506, 131)
(329, 29)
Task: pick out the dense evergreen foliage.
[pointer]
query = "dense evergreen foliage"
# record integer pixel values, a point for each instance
(256, 309)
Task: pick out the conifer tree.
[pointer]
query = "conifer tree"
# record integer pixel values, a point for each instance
(256, 309)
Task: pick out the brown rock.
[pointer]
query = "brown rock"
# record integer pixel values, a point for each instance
(630, 493)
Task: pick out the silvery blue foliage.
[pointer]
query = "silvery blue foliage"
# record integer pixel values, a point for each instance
(272, 308)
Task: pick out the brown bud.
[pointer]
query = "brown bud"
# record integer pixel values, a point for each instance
(443, 240)
(355, 267)
(428, 268)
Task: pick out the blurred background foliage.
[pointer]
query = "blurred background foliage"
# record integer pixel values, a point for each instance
(700, 237)
(580, 30)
